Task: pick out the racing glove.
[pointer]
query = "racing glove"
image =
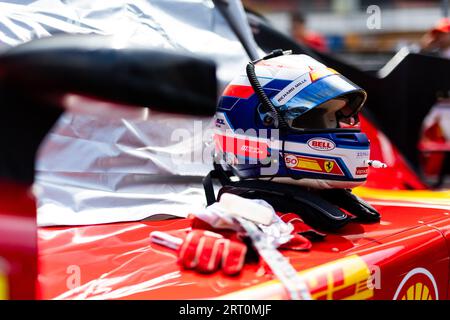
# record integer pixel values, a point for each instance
(300, 227)
(203, 250)
(207, 251)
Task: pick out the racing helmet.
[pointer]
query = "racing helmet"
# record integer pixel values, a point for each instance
(291, 119)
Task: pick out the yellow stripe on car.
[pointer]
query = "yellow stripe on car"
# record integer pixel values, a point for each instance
(3, 287)
(424, 196)
(347, 278)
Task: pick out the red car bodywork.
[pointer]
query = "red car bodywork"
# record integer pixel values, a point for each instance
(18, 241)
(405, 256)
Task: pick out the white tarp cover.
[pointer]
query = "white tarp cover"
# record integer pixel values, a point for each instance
(95, 169)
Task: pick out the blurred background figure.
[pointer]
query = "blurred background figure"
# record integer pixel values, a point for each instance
(437, 40)
(301, 33)
(363, 33)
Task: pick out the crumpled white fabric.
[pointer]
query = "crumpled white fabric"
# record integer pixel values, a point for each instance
(92, 169)
(276, 233)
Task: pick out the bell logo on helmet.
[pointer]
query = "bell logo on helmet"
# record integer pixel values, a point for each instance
(321, 144)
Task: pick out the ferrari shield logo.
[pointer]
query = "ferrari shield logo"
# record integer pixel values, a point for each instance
(328, 165)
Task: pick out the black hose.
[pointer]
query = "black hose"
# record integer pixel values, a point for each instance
(265, 101)
(267, 104)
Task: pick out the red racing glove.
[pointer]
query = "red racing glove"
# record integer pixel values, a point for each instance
(207, 251)
(300, 227)
(204, 251)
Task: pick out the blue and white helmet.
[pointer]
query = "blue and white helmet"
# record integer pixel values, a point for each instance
(308, 134)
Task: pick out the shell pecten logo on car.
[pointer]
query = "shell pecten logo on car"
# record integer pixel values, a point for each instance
(418, 284)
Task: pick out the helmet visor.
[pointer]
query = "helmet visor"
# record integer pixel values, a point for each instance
(329, 115)
(328, 103)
